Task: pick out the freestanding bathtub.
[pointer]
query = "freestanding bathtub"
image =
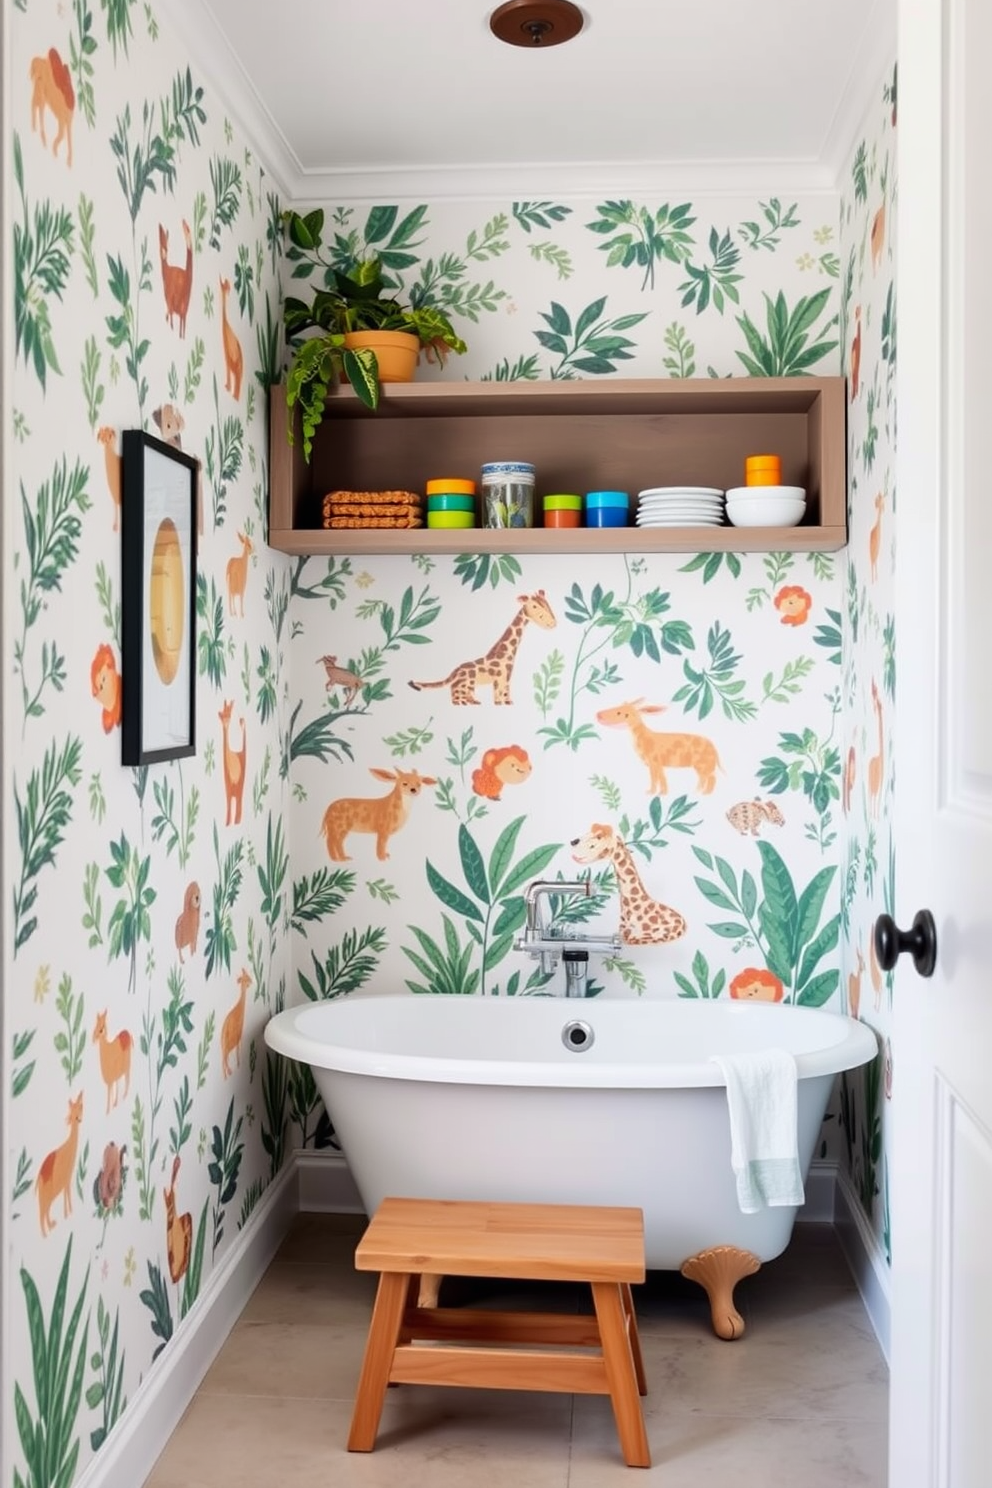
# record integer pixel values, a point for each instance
(557, 1100)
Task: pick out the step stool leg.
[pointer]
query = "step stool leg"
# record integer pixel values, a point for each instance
(384, 1331)
(621, 1375)
(627, 1302)
(430, 1287)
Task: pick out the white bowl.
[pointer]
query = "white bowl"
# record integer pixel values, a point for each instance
(759, 493)
(773, 511)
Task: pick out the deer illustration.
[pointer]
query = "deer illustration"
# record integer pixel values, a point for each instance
(381, 815)
(112, 464)
(339, 677)
(51, 88)
(643, 920)
(115, 1057)
(55, 1174)
(188, 923)
(856, 354)
(234, 362)
(177, 279)
(876, 763)
(495, 668)
(664, 751)
(234, 765)
(178, 1230)
(854, 987)
(877, 237)
(237, 574)
(875, 535)
(234, 1026)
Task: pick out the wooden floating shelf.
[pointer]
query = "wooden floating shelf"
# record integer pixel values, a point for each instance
(564, 540)
(620, 433)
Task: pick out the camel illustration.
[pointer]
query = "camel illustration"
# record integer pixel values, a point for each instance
(51, 88)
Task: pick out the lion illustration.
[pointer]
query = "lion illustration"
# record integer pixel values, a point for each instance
(105, 681)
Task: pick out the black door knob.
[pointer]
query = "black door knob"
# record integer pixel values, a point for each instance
(920, 941)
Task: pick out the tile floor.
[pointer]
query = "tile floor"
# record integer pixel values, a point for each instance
(800, 1402)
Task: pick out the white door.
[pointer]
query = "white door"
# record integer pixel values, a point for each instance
(941, 1399)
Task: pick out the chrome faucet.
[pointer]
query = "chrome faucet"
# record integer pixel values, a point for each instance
(539, 940)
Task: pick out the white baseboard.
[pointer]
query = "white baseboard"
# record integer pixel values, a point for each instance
(155, 1409)
(326, 1184)
(865, 1258)
(821, 1181)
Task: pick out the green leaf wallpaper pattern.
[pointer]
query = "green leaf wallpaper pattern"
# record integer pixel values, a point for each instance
(135, 906)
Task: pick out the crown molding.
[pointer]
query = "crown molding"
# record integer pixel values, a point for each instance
(210, 55)
(565, 179)
(875, 55)
(207, 45)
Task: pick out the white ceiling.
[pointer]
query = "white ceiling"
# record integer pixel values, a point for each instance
(398, 96)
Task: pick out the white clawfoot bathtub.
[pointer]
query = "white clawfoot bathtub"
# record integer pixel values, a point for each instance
(490, 1098)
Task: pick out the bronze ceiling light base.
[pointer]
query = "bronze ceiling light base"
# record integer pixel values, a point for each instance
(531, 23)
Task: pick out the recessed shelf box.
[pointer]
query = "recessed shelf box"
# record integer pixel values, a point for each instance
(602, 432)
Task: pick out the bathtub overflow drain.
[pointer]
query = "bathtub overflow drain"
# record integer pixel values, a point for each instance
(577, 1036)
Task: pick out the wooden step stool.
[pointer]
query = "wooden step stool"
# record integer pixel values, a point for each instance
(526, 1242)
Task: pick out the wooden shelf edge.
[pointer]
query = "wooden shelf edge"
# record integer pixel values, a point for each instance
(591, 540)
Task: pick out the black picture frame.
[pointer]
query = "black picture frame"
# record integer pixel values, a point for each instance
(158, 601)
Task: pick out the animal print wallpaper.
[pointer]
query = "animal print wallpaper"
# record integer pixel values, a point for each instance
(706, 739)
(388, 749)
(145, 913)
(868, 865)
(669, 727)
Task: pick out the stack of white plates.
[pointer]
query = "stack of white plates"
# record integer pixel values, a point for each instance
(680, 506)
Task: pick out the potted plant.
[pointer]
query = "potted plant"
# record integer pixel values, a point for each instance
(361, 326)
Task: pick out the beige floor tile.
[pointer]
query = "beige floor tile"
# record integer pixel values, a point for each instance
(802, 1400)
(322, 1239)
(460, 1441)
(297, 1291)
(751, 1377)
(289, 1359)
(730, 1452)
(814, 1252)
(822, 1318)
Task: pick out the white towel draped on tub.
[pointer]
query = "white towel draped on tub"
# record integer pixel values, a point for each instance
(764, 1153)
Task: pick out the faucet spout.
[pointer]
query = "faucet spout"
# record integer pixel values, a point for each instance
(539, 939)
(541, 887)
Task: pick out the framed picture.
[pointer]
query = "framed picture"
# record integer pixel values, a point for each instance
(158, 601)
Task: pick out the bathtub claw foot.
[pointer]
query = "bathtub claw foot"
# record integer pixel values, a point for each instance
(718, 1270)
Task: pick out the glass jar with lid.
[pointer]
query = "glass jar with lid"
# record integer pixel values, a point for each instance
(508, 493)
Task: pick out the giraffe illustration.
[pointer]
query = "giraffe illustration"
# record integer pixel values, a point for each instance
(643, 920)
(496, 667)
(876, 763)
(658, 750)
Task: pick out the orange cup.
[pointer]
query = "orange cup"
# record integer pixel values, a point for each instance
(763, 470)
(562, 518)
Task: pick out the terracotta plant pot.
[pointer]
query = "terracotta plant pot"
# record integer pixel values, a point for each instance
(395, 351)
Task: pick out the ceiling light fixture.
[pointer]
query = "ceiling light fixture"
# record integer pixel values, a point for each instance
(533, 23)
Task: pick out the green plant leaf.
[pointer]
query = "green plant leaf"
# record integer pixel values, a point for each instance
(452, 896)
(472, 864)
(819, 990)
(502, 854)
